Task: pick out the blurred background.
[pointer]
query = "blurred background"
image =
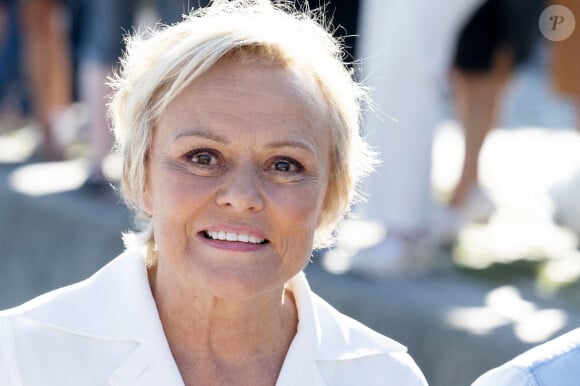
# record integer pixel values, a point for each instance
(467, 247)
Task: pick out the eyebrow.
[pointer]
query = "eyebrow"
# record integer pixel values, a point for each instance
(305, 145)
(203, 133)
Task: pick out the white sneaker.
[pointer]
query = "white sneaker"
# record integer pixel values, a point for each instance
(447, 221)
(566, 199)
(395, 255)
(479, 206)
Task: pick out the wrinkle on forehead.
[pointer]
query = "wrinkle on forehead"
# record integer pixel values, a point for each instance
(226, 84)
(300, 80)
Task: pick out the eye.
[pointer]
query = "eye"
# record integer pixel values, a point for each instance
(202, 157)
(287, 165)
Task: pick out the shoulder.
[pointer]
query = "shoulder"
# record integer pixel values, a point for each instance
(81, 307)
(68, 297)
(4, 380)
(374, 357)
(554, 362)
(347, 347)
(506, 375)
(50, 334)
(362, 341)
(334, 321)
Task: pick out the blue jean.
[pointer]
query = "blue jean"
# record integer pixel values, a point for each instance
(10, 66)
(103, 23)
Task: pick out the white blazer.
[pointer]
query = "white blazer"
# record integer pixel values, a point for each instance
(106, 331)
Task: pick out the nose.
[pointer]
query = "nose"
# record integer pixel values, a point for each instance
(241, 190)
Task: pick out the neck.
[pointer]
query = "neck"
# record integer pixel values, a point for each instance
(230, 336)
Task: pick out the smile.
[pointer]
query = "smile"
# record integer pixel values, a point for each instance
(231, 236)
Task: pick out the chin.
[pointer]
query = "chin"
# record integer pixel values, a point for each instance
(230, 283)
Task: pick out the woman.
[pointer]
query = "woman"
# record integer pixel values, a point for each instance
(241, 153)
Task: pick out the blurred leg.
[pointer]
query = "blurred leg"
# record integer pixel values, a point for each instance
(48, 66)
(565, 63)
(478, 97)
(3, 25)
(9, 46)
(93, 91)
(105, 23)
(35, 27)
(577, 106)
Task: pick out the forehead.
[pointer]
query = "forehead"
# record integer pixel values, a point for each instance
(288, 80)
(232, 83)
(250, 95)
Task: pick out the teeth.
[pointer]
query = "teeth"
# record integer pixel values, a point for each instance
(231, 236)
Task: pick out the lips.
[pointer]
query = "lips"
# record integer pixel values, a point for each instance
(233, 236)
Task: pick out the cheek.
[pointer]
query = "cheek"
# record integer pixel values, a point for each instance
(178, 195)
(178, 200)
(299, 209)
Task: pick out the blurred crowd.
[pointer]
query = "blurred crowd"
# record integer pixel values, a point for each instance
(57, 54)
(55, 57)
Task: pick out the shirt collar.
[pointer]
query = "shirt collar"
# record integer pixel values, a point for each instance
(324, 334)
(122, 308)
(115, 304)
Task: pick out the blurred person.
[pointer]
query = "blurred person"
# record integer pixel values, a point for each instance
(103, 24)
(48, 69)
(242, 151)
(565, 62)
(554, 363)
(12, 95)
(406, 49)
(565, 68)
(499, 37)
(8, 44)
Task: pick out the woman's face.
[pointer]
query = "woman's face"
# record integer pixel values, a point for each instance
(237, 175)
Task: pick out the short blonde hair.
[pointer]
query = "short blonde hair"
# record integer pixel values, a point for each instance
(160, 62)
